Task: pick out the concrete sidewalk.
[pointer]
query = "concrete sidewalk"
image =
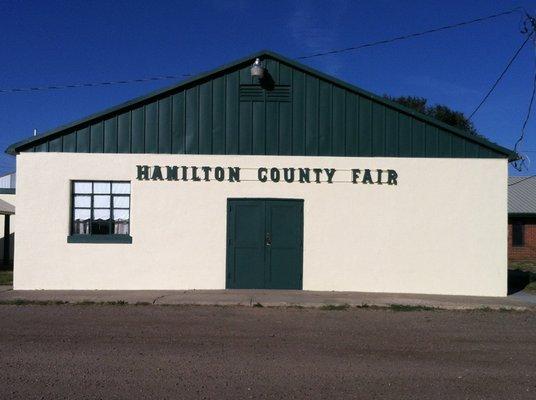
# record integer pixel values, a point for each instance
(269, 298)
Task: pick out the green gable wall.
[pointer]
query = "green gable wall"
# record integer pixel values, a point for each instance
(226, 113)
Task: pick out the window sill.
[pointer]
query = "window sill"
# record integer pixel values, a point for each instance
(99, 239)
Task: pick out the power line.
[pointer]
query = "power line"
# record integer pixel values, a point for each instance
(158, 78)
(93, 84)
(510, 62)
(529, 110)
(519, 165)
(411, 35)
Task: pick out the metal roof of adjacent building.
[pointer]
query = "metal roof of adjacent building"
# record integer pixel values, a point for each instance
(6, 208)
(522, 195)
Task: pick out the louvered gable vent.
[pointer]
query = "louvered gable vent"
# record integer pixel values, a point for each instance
(279, 93)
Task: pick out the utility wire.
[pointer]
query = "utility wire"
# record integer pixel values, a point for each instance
(519, 164)
(510, 62)
(411, 35)
(529, 110)
(93, 84)
(158, 78)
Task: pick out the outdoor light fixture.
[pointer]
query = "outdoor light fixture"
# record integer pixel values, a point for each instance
(257, 70)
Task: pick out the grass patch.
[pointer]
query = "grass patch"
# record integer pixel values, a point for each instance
(6, 277)
(100, 303)
(500, 309)
(335, 307)
(84, 303)
(404, 308)
(527, 266)
(531, 286)
(22, 302)
(114, 303)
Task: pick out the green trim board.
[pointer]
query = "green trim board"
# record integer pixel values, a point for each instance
(99, 239)
(226, 111)
(7, 191)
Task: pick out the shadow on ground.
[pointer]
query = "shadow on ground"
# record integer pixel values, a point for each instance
(518, 280)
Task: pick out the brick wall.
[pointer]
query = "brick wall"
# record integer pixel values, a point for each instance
(528, 251)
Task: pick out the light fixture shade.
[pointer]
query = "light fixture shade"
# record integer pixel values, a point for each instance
(257, 70)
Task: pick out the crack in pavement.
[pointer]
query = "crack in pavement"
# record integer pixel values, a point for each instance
(160, 297)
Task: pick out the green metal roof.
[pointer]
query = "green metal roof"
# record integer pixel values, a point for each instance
(305, 124)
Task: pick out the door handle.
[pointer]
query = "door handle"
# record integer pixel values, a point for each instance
(268, 239)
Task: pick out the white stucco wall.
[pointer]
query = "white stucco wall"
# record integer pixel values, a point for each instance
(441, 230)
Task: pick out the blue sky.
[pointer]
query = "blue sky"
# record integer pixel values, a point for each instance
(57, 42)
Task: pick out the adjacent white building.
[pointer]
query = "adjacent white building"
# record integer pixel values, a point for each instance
(7, 223)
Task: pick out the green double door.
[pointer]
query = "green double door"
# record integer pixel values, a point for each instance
(264, 244)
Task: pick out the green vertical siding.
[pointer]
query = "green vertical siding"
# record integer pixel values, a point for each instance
(304, 115)
(431, 142)
(124, 137)
(205, 118)
(311, 115)
(192, 120)
(284, 128)
(338, 132)
(96, 139)
(378, 129)
(151, 128)
(218, 116)
(298, 113)
(364, 133)
(110, 135)
(55, 145)
(178, 136)
(232, 110)
(138, 128)
(69, 142)
(164, 125)
(392, 148)
(418, 141)
(82, 140)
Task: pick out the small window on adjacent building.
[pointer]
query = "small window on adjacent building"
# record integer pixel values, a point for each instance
(100, 208)
(518, 234)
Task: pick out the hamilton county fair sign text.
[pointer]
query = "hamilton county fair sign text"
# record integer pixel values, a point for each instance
(264, 174)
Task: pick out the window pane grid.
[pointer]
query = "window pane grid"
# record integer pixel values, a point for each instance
(99, 217)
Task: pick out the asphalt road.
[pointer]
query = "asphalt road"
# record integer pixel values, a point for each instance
(158, 352)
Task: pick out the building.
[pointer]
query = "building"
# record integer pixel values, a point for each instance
(267, 175)
(522, 218)
(7, 226)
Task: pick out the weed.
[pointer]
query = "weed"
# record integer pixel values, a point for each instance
(405, 307)
(114, 303)
(22, 302)
(6, 277)
(335, 307)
